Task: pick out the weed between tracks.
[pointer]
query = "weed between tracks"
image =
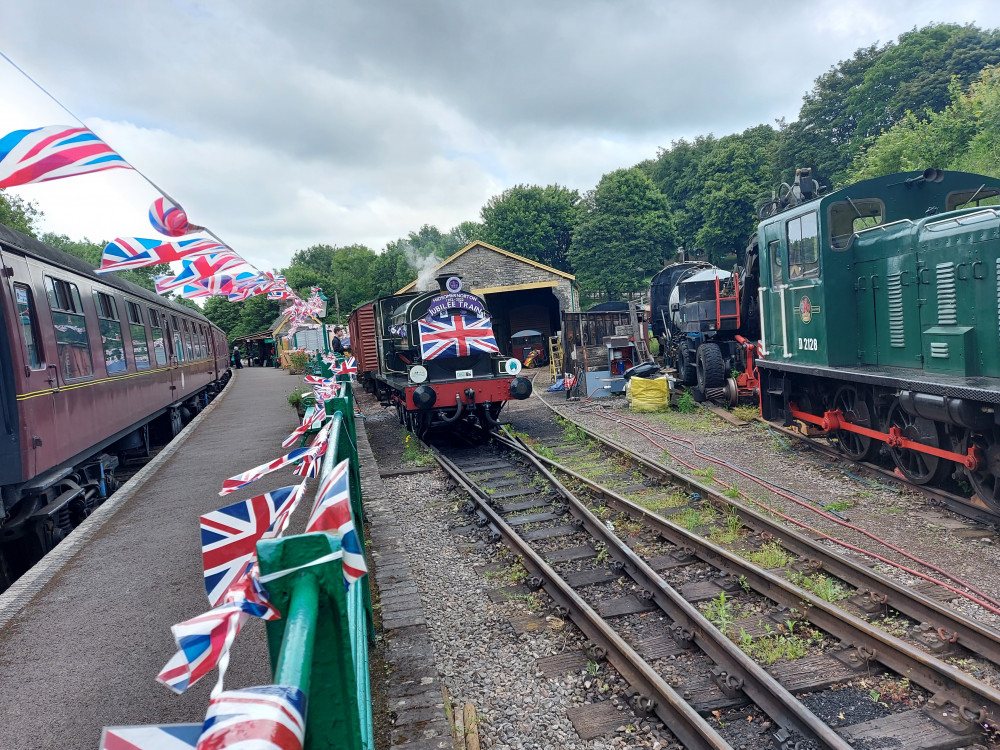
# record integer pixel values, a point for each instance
(415, 453)
(825, 587)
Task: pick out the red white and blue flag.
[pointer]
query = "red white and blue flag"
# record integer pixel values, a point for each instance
(195, 269)
(215, 286)
(151, 737)
(314, 451)
(204, 643)
(456, 336)
(53, 152)
(170, 219)
(229, 536)
(332, 513)
(312, 421)
(269, 717)
(137, 252)
(348, 367)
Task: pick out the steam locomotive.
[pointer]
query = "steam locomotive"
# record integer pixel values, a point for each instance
(433, 356)
(92, 370)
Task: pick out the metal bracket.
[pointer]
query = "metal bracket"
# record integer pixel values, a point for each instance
(939, 641)
(869, 601)
(730, 685)
(855, 658)
(784, 740)
(960, 720)
(682, 635)
(643, 705)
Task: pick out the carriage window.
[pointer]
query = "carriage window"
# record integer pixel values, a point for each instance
(187, 341)
(140, 346)
(197, 341)
(156, 329)
(774, 250)
(72, 344)
(111, 333)
(803, 246)
(854, 215)
(29, 326)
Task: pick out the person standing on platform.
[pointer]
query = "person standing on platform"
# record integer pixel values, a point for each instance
(337, 345)
(237, 361)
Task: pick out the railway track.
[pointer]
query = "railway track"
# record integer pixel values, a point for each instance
(682, 667)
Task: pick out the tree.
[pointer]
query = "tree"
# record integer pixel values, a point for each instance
(18, 214)
(965, 135)
(861, 97)
(625, 231)
(342, 272)
(534, 222)
(223, 313)
(256, 315)
(391, 271)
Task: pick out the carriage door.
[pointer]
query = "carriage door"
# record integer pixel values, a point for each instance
(35, 374)
(774, 324)
(867, 276)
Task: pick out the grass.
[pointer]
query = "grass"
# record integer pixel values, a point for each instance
(839, 505)
(707, 473)
(686, 403)
(825, 587)
(733, 531)
(415, 453)
(692, 518)
(770, 555)
(625, 526)
(781, 643)
(746, 413)
(721, 613)
(673, 500)
(540, 448)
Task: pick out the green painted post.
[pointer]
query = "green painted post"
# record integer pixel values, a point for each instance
(311, 647)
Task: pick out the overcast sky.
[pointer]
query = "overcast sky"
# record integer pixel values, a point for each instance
(283, 124)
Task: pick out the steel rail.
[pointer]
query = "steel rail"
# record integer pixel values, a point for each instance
(744, 673)
(682, 720)
(971, 634)
(974, 702)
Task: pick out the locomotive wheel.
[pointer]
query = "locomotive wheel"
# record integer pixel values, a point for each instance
(985, 480)
(710, 369)
(855, 410)
(917, 467)
(399, 413)
(686, 371)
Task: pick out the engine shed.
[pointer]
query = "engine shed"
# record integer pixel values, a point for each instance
(522, 294)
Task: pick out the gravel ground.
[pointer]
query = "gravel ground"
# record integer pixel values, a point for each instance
(482, 660)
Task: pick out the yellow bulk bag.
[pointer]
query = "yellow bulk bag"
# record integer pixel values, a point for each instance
(647, 395)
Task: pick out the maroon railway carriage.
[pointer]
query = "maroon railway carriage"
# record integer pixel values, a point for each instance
(90, 366)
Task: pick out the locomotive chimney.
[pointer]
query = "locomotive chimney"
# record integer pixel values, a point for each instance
(442, 280)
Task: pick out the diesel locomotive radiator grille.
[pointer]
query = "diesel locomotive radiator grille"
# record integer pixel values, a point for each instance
(897, 338)
(947, 303)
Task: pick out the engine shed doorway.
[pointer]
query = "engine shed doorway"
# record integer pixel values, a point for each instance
(519, 309)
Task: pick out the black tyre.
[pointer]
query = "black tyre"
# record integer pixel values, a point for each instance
(686, 371)
(710, 368)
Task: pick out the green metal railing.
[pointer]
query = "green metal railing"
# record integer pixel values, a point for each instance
(321, 643)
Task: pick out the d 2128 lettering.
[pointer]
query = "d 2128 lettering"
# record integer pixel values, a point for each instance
(808, 345)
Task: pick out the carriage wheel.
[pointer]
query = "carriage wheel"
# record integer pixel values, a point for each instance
(919, 468)
(854, 407)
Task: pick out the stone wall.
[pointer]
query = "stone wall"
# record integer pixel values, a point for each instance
(481, 267)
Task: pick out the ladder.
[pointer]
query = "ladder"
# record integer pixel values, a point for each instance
(555, 357)
(641, 345)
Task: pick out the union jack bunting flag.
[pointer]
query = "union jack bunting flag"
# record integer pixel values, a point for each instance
(311, 422)
(348, 367)
(136, 252)
(248, 589)
(53, 152)
(195, 269)
(204, 643)
(170, 219)
(318, 448)
(270, 717)
(229, 536)
(151, 737)
(332, 513)
(214, 286)
(456, 336)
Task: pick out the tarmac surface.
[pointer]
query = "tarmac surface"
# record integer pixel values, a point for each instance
(85, 651)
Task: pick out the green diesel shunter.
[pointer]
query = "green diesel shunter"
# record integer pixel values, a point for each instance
(880, 321)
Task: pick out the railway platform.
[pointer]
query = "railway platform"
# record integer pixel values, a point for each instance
(84, 634)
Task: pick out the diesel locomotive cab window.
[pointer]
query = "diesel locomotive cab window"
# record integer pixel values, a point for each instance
(111, 333)
(981, 196)
(156, 329)
(774, 251)
(803, 247)
(140, 347)
(29, 326)
(72, 344)
(853, 215)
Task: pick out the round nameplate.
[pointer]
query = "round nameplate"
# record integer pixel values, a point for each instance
(453, 284)
(512, 366)
(418, 373)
